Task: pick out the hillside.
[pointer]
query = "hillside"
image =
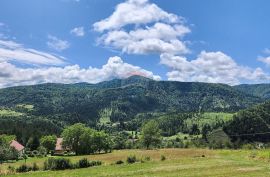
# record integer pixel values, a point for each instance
(260, 90)
(124, 98)
(252, 124)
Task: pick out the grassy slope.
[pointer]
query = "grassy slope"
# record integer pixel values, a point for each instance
(7, 112)
(179, 162)
(210, 118)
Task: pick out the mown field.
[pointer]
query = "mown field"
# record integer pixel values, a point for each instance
(179, 162)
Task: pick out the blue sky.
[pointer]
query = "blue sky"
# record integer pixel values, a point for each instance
(223, 41)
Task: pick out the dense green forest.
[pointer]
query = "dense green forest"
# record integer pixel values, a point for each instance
(260, 90)
(126, 104)
(252, 124)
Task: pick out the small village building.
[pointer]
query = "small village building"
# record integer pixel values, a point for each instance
(20, 148)
(59, 147)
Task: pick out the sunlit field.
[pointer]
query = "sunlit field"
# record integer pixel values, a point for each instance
(179, 162)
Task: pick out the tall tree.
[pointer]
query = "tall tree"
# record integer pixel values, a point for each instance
(71, 136)
(150, 134)
(48, 142)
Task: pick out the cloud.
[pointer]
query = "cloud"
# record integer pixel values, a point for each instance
(265, 60)
(57, 44)
(141, 27)
(12, 51)
(79, 31)
(158, 38)
(153, 30)
(135, 12)
(213, 67)
(11, 75)
(266, 51)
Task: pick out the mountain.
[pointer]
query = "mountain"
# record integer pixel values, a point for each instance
(252, 124)
(122, 99)
(259, 90)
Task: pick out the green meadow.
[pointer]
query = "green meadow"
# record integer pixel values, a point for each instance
(179, 162)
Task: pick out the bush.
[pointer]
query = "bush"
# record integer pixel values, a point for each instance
(95, 163)
(83, 163)
(23, 168)
(118, 162)
(62, 164)
(57, 164)
(162, 158)
(131, 159)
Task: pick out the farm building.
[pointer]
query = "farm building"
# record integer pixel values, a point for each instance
(20, 148)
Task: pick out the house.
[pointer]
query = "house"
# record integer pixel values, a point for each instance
(20, 148)
(59, 149)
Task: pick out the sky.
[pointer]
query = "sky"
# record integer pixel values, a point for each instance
(71, 41)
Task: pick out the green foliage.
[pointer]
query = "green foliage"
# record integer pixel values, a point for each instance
(118, 162)
(64, 163)
(150, 134)
(57, 164)
(48, 142)
(84, 140)
(25, 127)
(120, 141)
(162, 158)
(120, 100)
(6, 139)
(83, 163)
(131, 159)
(251, 124)
(71, 136)
(8, 153)
(33, 143)
(259, 90)
(23, 168)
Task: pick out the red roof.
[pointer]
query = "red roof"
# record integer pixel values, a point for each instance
(16, 145)
(58, 146)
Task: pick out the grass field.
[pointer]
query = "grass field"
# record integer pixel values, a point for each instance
(210, 118)
(179, 162)
(7, 112)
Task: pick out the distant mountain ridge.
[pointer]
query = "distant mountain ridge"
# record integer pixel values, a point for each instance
(259, 90)
(127, 97)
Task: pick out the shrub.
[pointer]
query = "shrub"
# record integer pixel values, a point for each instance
(83, 163)
(57, 164)
(118, 162)
(162, 158)
(131, 159)
(95, 163)
(23, 168)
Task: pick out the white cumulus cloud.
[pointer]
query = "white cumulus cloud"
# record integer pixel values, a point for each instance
(152, 29)
(213, 67)
(135, 12)
(57, 44)
(141, 27)
(78, 31)
(265, 60)
(11, 75)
